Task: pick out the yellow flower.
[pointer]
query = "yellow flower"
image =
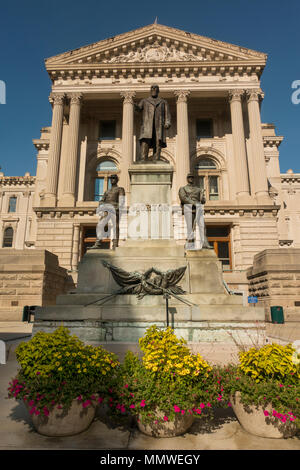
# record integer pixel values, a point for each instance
(60, 368)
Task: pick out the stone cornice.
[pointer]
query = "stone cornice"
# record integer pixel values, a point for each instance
(167, 69)
(17, 180)
(214, 210)
(290, 178)
(41, 144)
(272, 141)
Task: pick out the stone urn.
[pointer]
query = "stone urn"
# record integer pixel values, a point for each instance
(161, 428)
(253, 420)
(61, 423)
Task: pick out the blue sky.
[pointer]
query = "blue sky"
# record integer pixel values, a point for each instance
(33, 30)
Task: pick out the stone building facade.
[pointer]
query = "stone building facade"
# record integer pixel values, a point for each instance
(214, 94)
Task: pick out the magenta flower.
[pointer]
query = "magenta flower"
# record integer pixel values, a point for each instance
(86, 403)
(38, 373)
(229, 404)
(46, 411)
(132, 406)
(198, 411)
(166, 418)
(126, 385)
(100, 400)
(37, 412)
(31, 403)
(32, 410)
(176, 409)
(202, 405)
(182, 412)
(266, 413)
(143, 403)
(280, 385)
(79, 398)
(208, 405)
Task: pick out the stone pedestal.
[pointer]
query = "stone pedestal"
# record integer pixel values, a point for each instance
(150, 183)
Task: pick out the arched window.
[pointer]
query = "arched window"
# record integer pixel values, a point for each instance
(8, 237)
(208, 177)
(102, 180)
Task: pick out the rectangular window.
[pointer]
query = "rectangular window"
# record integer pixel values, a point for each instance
(99, 189)
(89, 238)
(107, 130)
(219, 238)
(213, 188)
(12, 205)
(204, 128)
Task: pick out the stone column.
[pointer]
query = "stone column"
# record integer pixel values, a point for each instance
(54, 149)
(239, 145)
(75, 248)
(68, 198)
(127, 136)
(258, 175)
(183, 147)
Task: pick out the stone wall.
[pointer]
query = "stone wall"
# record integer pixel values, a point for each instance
(29, 277)
(275, 279)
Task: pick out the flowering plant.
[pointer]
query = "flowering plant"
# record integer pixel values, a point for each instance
(166, 379)
(57, 368)
(267, 377)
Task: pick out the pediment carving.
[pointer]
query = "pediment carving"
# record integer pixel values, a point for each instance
(155, 53)
(155, 44)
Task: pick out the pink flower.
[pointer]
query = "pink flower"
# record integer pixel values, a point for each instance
(118, 406)
(280, 385)
(38, 373)
(100, 400)
(166, 418)
(202, 405)
(176, 409)
(59, 407)
(198, 411)
(132, 406)
(123, 409)
(182, 412)
(86, 403)
(93, 397)
(79, 398)
(37, 412)
(266, 413)
(46, 411)
(131, 394)
(32, 410)
(292, 418)
(155, 422)
(143, 403)
(283, 419)
(126, 385)
(208, 405)
(31, 403)
(229, 404)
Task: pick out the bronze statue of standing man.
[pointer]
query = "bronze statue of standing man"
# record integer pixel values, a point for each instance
(156, 119)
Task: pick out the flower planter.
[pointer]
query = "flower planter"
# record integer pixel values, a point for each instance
(253, 420)
(65, 423)
(161, 428)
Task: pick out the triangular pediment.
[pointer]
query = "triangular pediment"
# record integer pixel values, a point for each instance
(155, 44)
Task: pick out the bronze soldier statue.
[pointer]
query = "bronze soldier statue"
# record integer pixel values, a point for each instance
(192, 198)
(156, 119)
(109, 206)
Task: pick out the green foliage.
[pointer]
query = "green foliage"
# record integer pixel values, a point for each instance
(271, 361)
(166, 379)
(57, 367)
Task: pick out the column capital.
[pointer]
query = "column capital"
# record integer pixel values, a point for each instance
(235, 94)
(57, 98)
(128, 96)
(255, 95)
(75, 98)
(182, 95)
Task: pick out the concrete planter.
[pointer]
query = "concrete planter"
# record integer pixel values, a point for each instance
(166, 428)
(65, 423)
(253, 420)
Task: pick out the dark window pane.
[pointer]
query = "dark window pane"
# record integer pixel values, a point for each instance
(107, 130)
(223, 250)
(204, 128)
(213, 188)
(12, 204)
(99, 189)
(8, 237)
(90, 232)
(205, 164)
(217, 231)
